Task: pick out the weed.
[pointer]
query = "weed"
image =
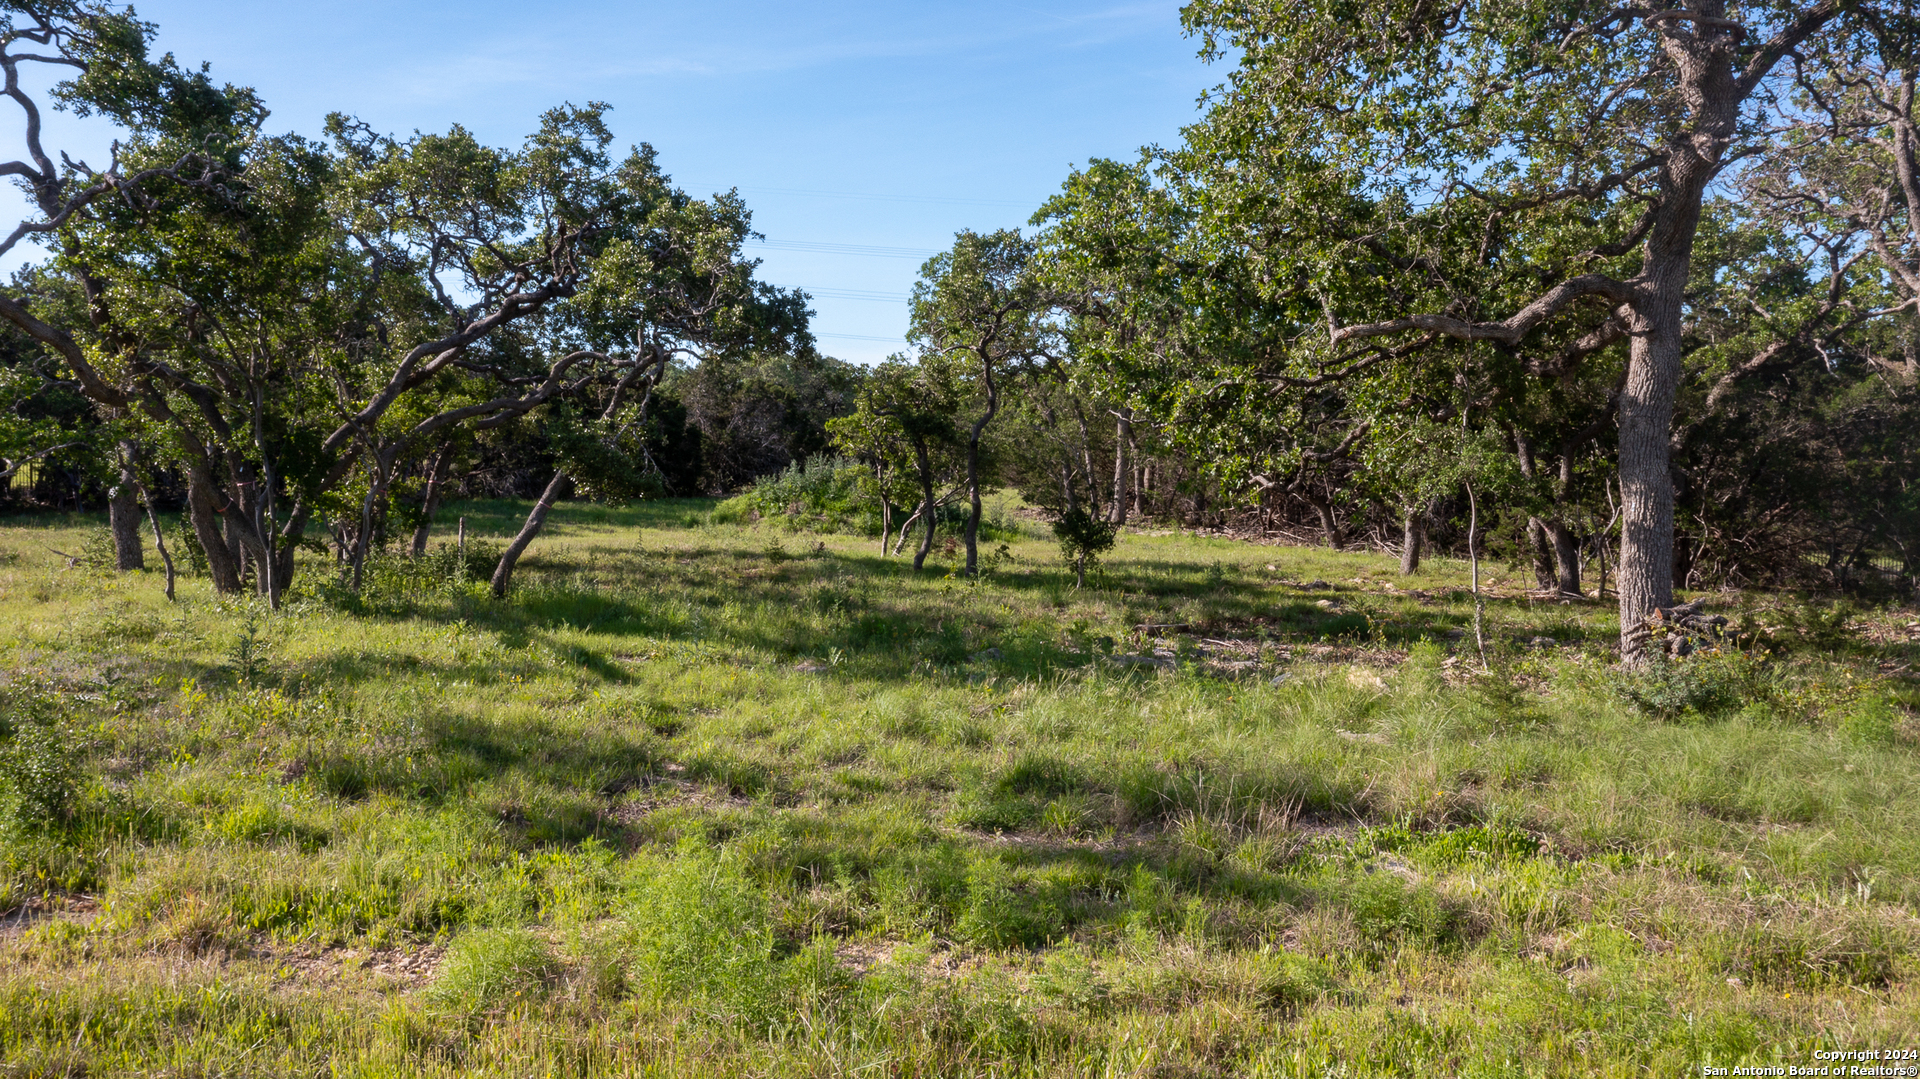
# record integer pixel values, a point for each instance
(1000, 913)
(249, 648)
(1389, 911)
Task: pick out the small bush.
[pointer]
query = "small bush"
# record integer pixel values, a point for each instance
(1038, 774)
(490, 967)
(96, 550)
(1824, 628)
(39, 765)
(1083, 539)
(1707, 683)
(1289, 983)
(1872, 720)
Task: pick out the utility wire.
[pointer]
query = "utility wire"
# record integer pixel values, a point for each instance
(855, 294)
(865, 196)
(821, 247)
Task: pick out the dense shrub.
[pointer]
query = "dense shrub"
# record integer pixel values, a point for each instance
(824, 494)
(39, 766)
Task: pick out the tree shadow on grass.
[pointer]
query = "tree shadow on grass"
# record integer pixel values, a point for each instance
(856, 615)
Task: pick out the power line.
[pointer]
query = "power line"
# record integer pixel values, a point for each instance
(822, 247)
(856, 294)
(862, 337)
(871, 197)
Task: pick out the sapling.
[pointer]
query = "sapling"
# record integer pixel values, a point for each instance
(1083, 539)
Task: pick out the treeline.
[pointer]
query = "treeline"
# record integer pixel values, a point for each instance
(1617, 289)
(716, 427)
(1635, 285)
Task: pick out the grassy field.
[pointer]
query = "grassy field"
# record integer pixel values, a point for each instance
(718, 800)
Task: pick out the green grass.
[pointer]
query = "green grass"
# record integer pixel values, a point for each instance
(719, 799)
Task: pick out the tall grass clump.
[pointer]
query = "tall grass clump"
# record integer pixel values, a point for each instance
(486, 968)
(701, 934)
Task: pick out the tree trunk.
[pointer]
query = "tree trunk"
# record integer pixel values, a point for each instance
(207, 529)
(973, 510)
(236, 547)
(123, 517)
(1566, 557)
(1645, 574)
(363, 536)
(973, 468)
(1412, 537)
(1122, 435)
(503, 573)
(159, 542)
(430, 501)
(928, 511)
(1086, 462)
(1473, 556)
(906, 526)
(1644, 577)
(1329, 524)
(1543, 578)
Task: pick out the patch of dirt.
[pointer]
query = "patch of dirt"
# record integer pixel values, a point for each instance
(859, 957)
(385, 968)
(72, 908)
(653, 793)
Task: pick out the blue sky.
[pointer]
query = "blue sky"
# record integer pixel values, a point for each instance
(864, 125)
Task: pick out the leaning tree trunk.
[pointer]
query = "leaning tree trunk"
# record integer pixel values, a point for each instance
(1412, 537)
(205, 518)
(927, 508)
(1086, 462)
(160, 538)
(363, 537)
(1329, 523)
(1473, 559)
(886, 508)
(1543, 578)
(123, 516)
(536, 517)
(430, 502)
(236, 547)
